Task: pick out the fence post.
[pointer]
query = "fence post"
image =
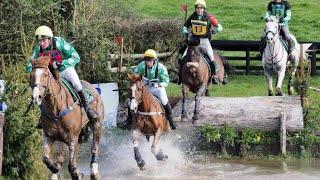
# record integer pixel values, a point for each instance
(247, 61)
(313, 63)
(1, 140)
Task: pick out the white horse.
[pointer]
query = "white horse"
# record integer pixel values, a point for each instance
(275, 57)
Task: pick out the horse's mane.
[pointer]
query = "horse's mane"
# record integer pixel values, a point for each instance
(42, 61)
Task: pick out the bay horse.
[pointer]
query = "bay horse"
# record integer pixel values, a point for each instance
(195, 76)
(148, 118)
(63, 119)
(275, 57)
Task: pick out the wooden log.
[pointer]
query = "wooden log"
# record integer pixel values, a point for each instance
(1, 140)
(283, 133)
(259, 112)
(139, 56)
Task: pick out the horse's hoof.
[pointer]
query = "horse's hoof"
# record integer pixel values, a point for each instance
(184, 119)
(290, 91)
(195, 121)
(270, 94)
(195, 117)
(94, 174)
(141, 164)
(279, 94)
(54, 177)
(161, 157)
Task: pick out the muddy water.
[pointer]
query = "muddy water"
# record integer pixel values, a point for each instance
(116, 161)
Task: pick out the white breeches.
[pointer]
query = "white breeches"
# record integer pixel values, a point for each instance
(204, 44)
(71, 75)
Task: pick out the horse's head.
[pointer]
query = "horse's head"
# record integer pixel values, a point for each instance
(272, 29)
(193, 54)
(136, 88)
(40, 78)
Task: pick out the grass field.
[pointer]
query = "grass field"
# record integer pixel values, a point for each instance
(241, 19)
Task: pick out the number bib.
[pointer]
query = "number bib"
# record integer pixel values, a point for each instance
(199, 30)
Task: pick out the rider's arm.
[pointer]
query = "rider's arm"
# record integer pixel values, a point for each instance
(287, 12)
(35, 54)
(268, 13)
(187, 24)
(70, 55)
(215, 23)
(163, 76)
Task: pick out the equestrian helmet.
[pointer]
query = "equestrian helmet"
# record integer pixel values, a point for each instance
(43, 32)
(150, 53)
(200, 2)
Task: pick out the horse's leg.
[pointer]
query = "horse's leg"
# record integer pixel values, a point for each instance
(280, 76)
(53, 167)
(185, 89)
(197, 102)
(97, 134)
(158, 154)
(291, 76)
(268, 75)
(72, 166)
(136, 134)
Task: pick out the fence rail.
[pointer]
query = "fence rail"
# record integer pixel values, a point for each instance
(254, 46)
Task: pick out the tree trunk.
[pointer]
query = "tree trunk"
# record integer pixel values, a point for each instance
(247, 112)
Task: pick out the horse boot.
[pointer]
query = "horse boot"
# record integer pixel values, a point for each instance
(168, 110)
(213, 73)
(180, 62)
(91, 113)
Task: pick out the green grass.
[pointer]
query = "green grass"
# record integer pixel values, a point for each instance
(240, 19)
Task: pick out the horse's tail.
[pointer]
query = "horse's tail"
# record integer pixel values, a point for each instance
(227, 67)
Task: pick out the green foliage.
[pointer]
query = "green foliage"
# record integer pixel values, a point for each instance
(304, 138)
(22, 142)
(250, 137)
(228, 134)
(210, 133)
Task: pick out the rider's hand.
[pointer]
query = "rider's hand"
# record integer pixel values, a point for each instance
(185, 31)
(281, 20)
(55, 64)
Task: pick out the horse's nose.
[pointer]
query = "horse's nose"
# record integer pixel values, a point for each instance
(134, 105)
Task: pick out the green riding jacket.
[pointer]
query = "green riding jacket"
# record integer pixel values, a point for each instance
(163, 75)
(70, 56)
(280, 9)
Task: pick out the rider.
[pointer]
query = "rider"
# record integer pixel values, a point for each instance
(281, 9)
(157, 77)
(64, 58)
(201, 24)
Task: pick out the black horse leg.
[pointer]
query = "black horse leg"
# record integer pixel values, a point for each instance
(184, 116)
(197, 102)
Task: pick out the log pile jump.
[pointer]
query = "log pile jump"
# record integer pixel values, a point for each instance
(258, 112)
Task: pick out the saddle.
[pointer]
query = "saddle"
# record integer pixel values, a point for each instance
(75, 95)
(285, 43)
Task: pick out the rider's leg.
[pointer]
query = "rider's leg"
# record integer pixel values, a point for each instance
(290, 42)
(205, 44)
(71, 75)
(160, 92)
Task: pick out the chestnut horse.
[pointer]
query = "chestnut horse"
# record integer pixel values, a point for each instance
(63, 119)
(195, 76)
(148, 118)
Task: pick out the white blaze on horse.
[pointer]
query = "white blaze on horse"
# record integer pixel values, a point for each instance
(275, 57)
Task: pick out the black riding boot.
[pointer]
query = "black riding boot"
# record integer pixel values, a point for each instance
(213, 73)
(290, 49)
(263, 44)
(92, 114)
(39, 125)
(168, 110)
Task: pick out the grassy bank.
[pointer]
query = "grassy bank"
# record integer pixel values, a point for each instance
(240, 19)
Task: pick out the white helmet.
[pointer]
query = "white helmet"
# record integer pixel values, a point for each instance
(43, 32)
